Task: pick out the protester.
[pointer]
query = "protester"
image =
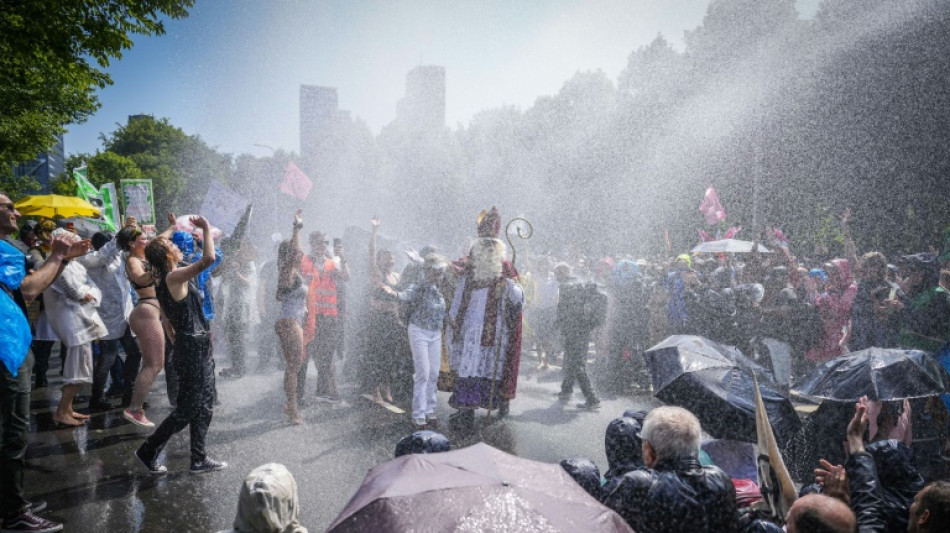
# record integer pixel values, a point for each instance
(815, 513)
(575, 321)
(21, 282)
(181, 302)
(323, 327)
(145, 321)
(292, 295)
(238, 278)
(834, 307)
(106, 269)
(421, 442)
(426, 316)
(674, 493)
(484, 339)
(71, 305)
(628, 320)
(43, 335)
(384, 331)
(267, 502)
(585, 473)
(624, 449)
(876, 313)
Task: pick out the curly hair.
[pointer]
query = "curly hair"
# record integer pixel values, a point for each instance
(159, 252)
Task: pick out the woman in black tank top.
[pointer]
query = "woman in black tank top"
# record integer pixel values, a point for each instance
(181, 302)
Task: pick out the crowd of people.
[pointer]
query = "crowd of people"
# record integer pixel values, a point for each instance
(460, 326)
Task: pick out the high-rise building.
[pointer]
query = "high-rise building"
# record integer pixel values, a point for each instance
(46, 166)
(319, 108)
(423, 107)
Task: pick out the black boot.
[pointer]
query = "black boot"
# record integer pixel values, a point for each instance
(462, 420)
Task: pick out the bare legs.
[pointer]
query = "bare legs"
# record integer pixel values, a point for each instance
(145, 322)
(291, 341)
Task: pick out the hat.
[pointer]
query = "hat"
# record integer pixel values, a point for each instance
(434, 262)
(489, 223)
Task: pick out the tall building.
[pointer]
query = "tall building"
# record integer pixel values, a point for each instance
(45, 167)
(423, 107)
(319, 108)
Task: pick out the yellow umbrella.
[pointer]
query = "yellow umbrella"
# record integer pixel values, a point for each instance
(55, 206)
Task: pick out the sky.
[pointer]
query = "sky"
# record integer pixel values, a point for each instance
(232, 70)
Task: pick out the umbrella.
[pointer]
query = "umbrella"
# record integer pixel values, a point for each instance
(56, 206)
(84, 227)
(478, 488)
(728, 246)
(183, 223)
(879, 374)
(715, 383)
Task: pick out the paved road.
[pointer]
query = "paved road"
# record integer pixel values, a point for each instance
(92, 483)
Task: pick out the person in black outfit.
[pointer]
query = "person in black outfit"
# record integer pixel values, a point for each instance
(575, 324)
(181, 302)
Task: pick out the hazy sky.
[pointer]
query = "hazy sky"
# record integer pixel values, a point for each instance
(231, 71)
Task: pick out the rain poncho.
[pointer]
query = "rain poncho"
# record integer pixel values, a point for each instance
(268, 502)
(676, 496)
(585, 473)
(624, 447)
(106, 269)
(15, 336)
(74, 320)
(834, 307)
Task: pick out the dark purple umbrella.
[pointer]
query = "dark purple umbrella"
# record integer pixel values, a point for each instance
(478, 488)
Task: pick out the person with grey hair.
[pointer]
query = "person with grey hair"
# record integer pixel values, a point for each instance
(674, 493)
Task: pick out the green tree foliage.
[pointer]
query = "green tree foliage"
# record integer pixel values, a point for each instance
(181, 166)
(52, 56)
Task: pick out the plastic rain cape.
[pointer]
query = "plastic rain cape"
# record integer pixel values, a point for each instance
(15, 336)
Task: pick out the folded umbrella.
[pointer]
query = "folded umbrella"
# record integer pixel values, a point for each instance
(478, 488)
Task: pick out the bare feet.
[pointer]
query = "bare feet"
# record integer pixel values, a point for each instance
(387, 394)
(295, 418)
(80, 416)
(67, 420)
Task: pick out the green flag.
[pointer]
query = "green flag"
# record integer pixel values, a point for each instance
(104, 199)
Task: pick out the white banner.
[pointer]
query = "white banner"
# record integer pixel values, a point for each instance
(223, 207)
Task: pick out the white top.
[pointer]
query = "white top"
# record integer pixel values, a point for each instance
(106, 269)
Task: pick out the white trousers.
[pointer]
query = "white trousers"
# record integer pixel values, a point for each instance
(426, 348)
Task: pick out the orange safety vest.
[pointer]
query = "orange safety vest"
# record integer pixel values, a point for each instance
(321, 299)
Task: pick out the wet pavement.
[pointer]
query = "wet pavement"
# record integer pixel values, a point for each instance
(93, 483)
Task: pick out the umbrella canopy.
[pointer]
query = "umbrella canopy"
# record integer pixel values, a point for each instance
(183, 223)
(715, 383)
(55, 206)
(879, 374)
(728, 246)
(83, 226)
(478, 488)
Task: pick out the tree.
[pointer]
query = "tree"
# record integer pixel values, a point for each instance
(103, 167)
(180, 165)
(52, 53)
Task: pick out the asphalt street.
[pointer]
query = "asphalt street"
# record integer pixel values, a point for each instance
(92, 482)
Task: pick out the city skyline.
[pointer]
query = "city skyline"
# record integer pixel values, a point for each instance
(231, 72)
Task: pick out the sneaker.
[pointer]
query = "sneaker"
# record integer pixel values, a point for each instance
(152, 466)
(137, 418)
(564, 396)
(30, 522)
(589, 405)
(432, 422)
(419, 424)
(208, 465)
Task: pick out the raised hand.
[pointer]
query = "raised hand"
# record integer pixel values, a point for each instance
(375, 222)
(298, 217)
(171, 219)
(131, 221)
(833, 480)
(200, 223)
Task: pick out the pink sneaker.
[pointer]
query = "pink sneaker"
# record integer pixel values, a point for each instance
(137, 418)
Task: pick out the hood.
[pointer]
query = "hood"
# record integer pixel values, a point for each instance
(895, 469)
(268, 502)
(184, 241)
(585, 473)
(424, 441)
(843, 277)
(624, 446)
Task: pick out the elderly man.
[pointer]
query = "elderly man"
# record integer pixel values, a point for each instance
(818, 513)
(675, 493)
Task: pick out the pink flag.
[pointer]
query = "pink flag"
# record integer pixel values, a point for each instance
(732, 232)
(296, 183)
(711, 208)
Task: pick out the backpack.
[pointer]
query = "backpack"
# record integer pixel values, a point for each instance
(583, 305)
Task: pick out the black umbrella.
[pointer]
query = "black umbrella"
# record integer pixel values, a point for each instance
(879, 374)
(715, 383)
